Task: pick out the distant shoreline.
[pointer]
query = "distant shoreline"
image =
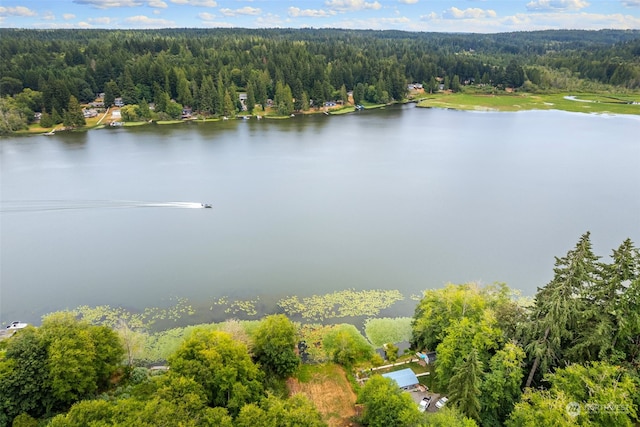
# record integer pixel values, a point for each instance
(588, 103)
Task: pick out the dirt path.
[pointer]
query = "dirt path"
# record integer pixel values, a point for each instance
(102, 118)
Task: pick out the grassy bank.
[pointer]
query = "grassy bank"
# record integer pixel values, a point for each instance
(579, 103)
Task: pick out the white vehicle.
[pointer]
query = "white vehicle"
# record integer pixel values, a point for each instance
(443, 401)
(424, 404)
(16, 325)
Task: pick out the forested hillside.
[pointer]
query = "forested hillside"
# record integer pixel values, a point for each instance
(206, 69)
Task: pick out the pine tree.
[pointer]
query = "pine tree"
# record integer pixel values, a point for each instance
(207, 95)
(558, 305)
(305, 101)
(251, 98)
(129, 91)
(229, 109)
(55, 116)
(283, 99)
(219, 99)
(46, 121)
(343, 95)
(143, 109)
(464, 386)
(111, 91)
(608, 321)
(74, 116)
(183, 89)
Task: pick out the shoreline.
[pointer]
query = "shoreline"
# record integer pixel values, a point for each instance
(585, 103)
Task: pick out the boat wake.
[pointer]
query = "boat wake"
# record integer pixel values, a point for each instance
(61, 205)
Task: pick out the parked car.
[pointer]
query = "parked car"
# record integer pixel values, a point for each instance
(17, 325)
(424, 404)
(443, 401)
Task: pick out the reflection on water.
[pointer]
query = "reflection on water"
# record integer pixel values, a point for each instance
(404, 199)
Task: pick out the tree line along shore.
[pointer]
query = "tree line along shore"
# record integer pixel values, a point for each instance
(569, 356)
(55, 79)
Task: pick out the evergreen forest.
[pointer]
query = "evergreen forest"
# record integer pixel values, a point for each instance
(54, 72)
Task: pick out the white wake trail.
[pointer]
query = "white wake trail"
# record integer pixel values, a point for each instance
(15, 206)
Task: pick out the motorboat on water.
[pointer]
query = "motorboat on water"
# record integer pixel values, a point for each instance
(17, 325)
(206, 205)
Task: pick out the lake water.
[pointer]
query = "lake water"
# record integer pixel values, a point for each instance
(402, 198)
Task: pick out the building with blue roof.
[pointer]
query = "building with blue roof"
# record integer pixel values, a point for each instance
(405, 378)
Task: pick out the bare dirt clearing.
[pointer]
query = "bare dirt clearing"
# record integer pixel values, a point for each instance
(327, 386)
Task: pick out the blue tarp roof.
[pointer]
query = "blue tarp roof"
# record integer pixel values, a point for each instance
(404, 378)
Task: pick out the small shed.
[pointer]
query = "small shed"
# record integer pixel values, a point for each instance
(405, 378)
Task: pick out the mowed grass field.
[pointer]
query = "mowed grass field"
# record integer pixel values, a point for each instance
(581, 103)
(326, 385)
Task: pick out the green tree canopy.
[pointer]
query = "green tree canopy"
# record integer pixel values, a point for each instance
(386, 405)
(275, 412)
(558, 307)
(447, 416)
(346, 345)
(464, 386)
(274, 345)
(49, 368)
(222, 366)
(597, 394)
(500, 389)
(439, 308)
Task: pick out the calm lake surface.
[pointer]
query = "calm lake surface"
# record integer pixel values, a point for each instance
(402, 198)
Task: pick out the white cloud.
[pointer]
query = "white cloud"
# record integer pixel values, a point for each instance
(217, 24)
(199, 3)
(242, 11)
(351, 5)
(408, 1)
(430, 17)
(68, 16)
(528, 22)
(101, 20)
(470, 13)
(631, 3)
(557, 4)
(587, 21)
(16, 11)
(106, 4)
(310, 13)
(269, 20)
(158, 4)
(49, 16)
(206, 16)
(146, 22)
(372, 23)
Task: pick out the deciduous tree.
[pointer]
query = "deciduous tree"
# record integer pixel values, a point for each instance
(223, 368)
(346, 345)
(385, 405)
(274, 345)
(500, 389)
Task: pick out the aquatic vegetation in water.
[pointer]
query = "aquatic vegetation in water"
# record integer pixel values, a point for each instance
(347, 303)
(388, 330)
(245, 307)
(114, 316)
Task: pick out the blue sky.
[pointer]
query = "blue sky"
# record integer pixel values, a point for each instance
(485, 16)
